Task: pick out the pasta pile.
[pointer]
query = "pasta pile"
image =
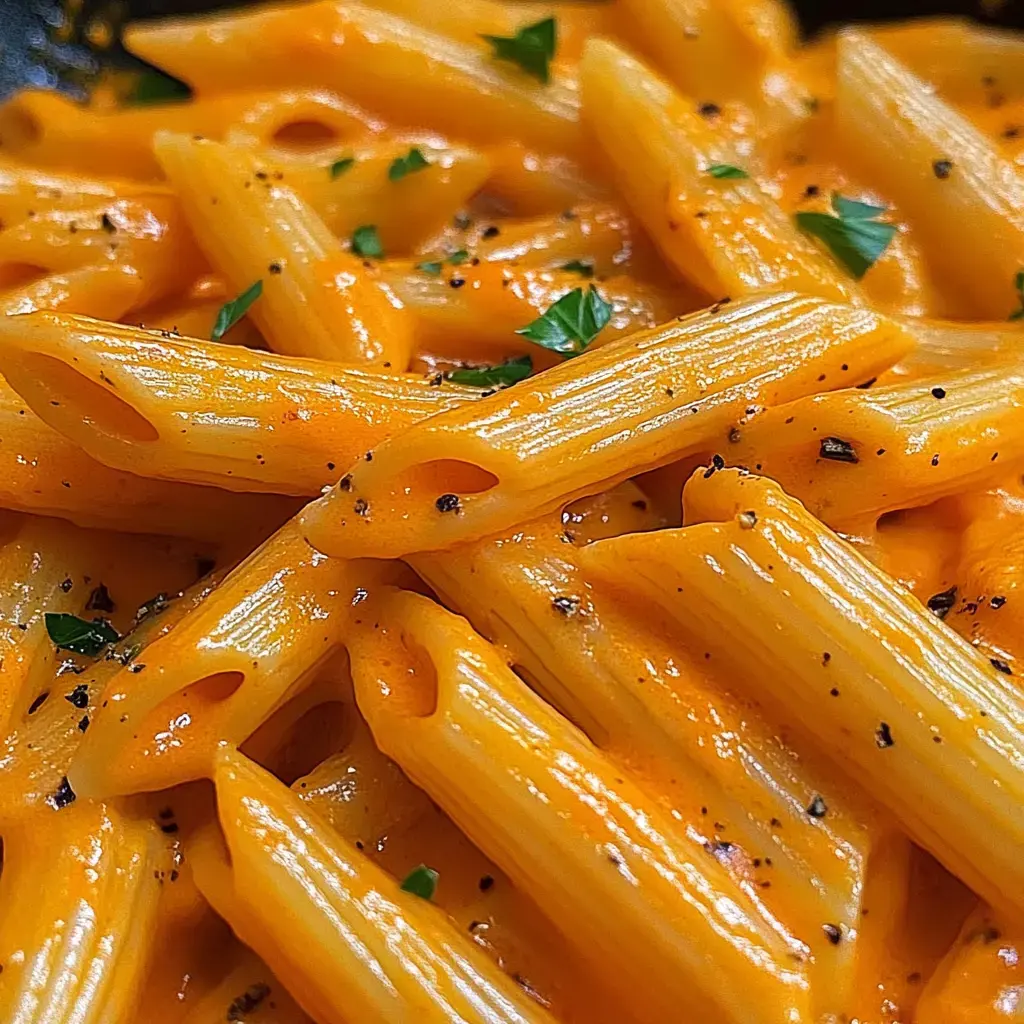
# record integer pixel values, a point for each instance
(514, 512)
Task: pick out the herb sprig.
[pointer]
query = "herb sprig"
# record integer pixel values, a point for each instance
(502, 376)
(421, 881)
(727, 171)
(532, 48)
(569, 325)
(233, 311)
(1018, 283)
(70, 633)
(413, 161)
(854, 235)
(366, 242)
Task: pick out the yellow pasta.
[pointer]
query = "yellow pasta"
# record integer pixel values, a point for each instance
(890, 119)
(314, 298)
(181, 409)
(660, 395)
(397, 958)
(852, 455)
(857, 661)
(80, 891)
(727, 236)
(407, 73)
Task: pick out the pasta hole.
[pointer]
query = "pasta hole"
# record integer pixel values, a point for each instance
(83, 397)
(316, 734)
(413, 683)
(19, 127)
(303, 136)
(453, 476)
(214, 689)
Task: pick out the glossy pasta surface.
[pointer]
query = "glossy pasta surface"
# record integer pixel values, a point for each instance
(512, 512)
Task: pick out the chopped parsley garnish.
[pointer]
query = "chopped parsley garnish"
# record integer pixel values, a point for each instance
(421, 881)
(366, 242)
(502, 376)
(154, 86)
(339, 167)
(233, 311)
(581, 267)
(457, 257)
(854, 235)
(413, 161)
(569, 325)
(727, 171)
(70, 633)
(1018, 283)
(433, 267)
(532, 48)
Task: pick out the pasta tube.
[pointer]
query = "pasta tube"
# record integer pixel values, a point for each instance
(408, 73)
(949, 345)
(315, 300)
(404, 214)
(660, 919)
(635, 404)
(104, 290)
(852, 455)
(80, 892)
(980, 980)
(44, 473)
(726, 236)
(335, 927)
(971, 220)
(53, 131)
(254, 643)
(182, 409)
(652, 701)
(933, 729)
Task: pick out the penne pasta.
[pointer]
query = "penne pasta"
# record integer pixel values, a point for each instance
(579, 428)
(728, 237)
(104, 290)
(891, 123)
(362, 947)
(405, 72)
(182, 409)
(853, 455)
(80, 891)
(651, 701)
(856, 661)
(314, 299)
(557, 813)
(49, 130)
(44, 473)
(257, 641)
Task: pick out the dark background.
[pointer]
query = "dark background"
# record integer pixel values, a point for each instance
(31, 52)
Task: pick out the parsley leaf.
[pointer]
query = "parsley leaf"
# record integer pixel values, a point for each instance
(433, 268)
(339, 167)
(233, 311)
(532, 48)
(421, 881)
(366, 242)
(154, 86)
(413, 161)
(727, 171)
(580, 267)
(570, 324)
(855, 238)
(71, 633)
(510, 372)
(1018, 283)
(457, 257)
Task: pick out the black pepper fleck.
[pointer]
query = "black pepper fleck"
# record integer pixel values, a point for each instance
(1000, 666)
(817, 808)
(837, 450)
(448, 503)
(942, 168)
(942, 602)
(883, 736)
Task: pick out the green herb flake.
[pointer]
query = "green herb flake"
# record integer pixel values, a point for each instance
(154, 86)
(458, 257)
(727, 171)
(433, 267)
(580, 267)
(506, 374)
(1018, 283)
(854, 236)
(569, 325)
(339, 167)
(421, 881)
(70, 633)
(233, 311)
(413, 161)
(366, 242)
(532, 48)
